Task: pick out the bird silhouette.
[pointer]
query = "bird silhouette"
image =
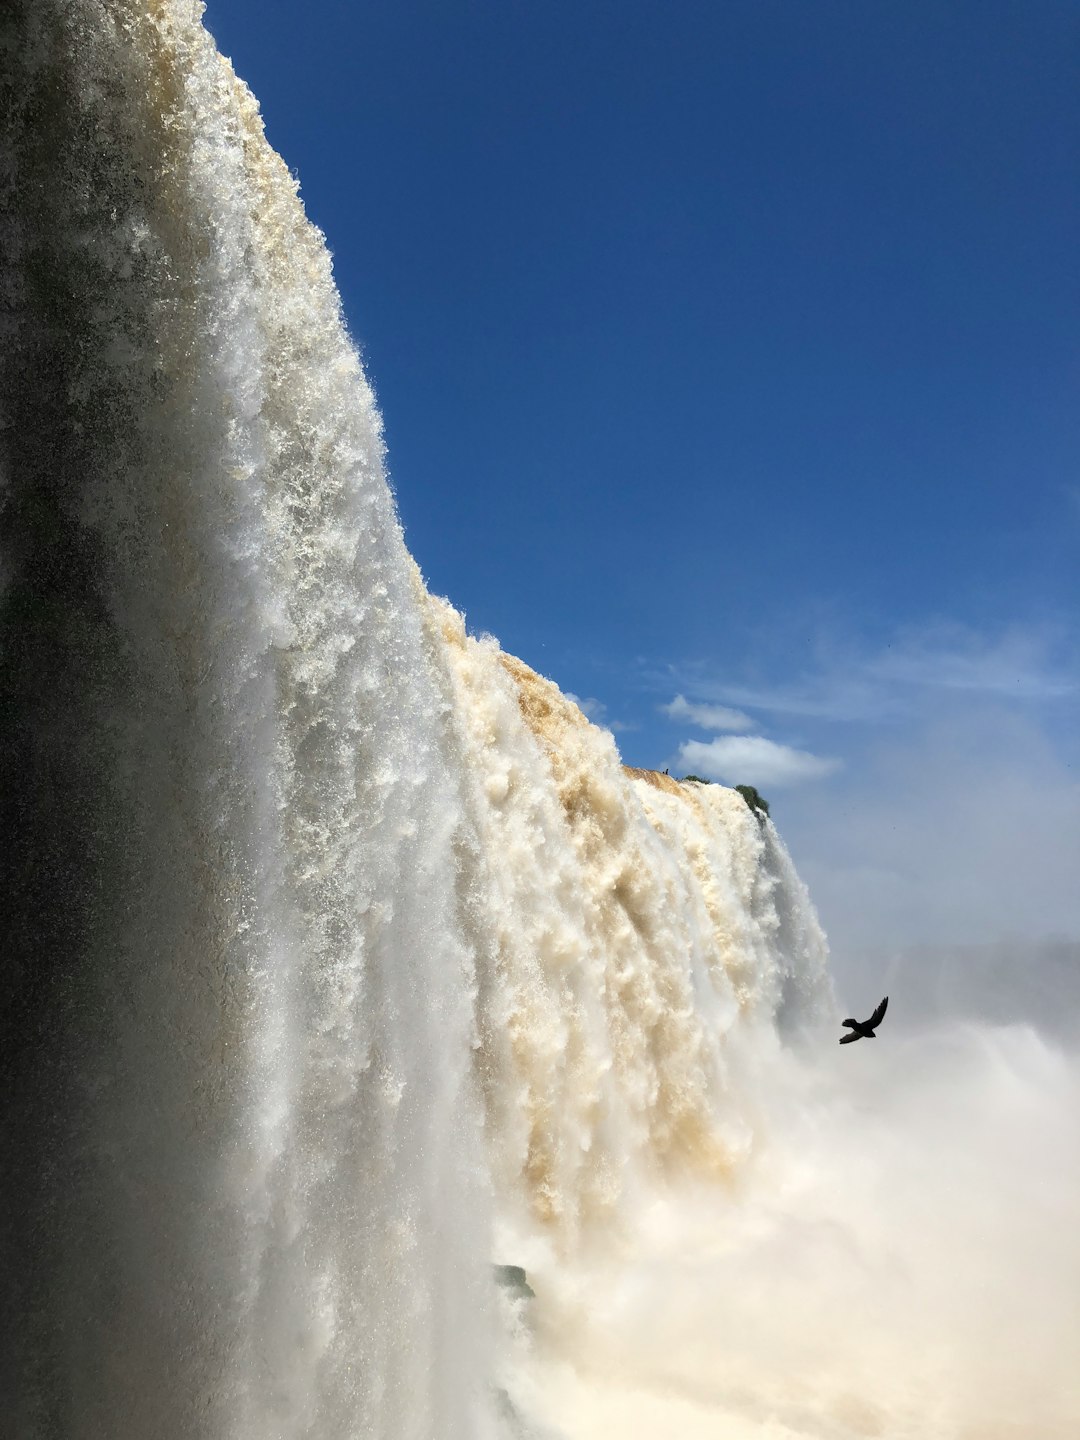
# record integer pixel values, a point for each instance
(864, 1029)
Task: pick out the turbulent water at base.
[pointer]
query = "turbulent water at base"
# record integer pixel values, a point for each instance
(343, 958)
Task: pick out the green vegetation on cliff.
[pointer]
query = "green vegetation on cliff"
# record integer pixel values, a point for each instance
(756, 801)
(753, 797)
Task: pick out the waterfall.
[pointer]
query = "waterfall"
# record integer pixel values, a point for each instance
(638, 941)
(343, 956)
(241, 1033)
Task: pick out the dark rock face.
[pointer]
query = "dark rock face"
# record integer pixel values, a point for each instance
(514, 1279)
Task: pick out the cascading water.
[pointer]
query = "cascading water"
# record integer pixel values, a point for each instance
(239, 1038)
(637, 938)
(342, 956)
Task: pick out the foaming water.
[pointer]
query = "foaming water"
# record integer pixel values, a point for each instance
(345, 958)
(638, 939)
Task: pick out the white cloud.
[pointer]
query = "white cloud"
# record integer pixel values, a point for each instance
(753, 760)
(708, 717)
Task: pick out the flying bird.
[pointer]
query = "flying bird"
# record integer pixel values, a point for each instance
(864, 1029)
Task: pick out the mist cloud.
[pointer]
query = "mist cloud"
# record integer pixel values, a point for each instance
(903, 1261)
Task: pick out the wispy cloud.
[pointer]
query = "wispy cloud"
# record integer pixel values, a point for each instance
(820, 697)
(753, 760)
(708, 717)
(1032, 665)
(955, 815)
(1017, 664)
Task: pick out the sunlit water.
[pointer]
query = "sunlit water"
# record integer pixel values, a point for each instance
(345, 958)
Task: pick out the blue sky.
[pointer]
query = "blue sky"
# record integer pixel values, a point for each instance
(728, 359)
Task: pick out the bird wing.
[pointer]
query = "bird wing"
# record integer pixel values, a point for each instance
(879, 1014)
(847, 1039)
